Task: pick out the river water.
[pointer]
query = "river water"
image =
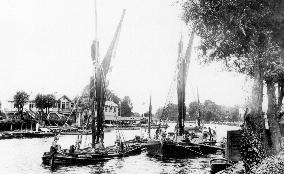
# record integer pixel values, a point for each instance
(23, 156)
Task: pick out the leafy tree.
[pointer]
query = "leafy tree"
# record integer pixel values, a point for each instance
(20, 99)
(126, 107)
(40, 104)
(244, 35)
(170, 112)
(83, 106)
(136, 114)
(49, 101)
(210, 111)
(159, 113)
(193, 110)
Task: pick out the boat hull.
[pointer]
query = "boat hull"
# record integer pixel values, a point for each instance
(206, 149)
(171, 150)
(84, 157)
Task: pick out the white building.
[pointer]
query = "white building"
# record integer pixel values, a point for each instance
(63, 105)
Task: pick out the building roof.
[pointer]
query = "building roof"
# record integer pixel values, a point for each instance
(57, 97)
(64, 96)
(111, 103)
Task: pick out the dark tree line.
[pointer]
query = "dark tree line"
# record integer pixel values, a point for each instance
(209, 111)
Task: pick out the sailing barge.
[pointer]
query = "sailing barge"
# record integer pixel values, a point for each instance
(97, 152)
(181, 146)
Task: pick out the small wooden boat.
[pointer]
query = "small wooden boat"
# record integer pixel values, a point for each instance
(39, 134)
(219, 164)
(88, 155)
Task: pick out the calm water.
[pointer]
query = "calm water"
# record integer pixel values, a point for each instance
(23, 156)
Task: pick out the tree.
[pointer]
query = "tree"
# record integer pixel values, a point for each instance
(40, 104)
(193, 110)
(242, 35)
(126, 107)
(170, 112)
(159, 113)
(49, 102)
(20, 99)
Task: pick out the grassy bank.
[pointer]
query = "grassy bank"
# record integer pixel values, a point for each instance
(270, 165)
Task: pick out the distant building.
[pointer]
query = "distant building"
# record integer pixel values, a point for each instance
(111, 114)
(63, 105)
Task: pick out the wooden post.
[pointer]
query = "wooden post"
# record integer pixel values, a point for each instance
(233, 147)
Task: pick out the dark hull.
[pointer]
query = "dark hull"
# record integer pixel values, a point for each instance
(39, 135)
(218, 165)
(206, 149)
(85, 158)
(172, 150)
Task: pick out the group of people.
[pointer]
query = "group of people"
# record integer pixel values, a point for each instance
(209, 135)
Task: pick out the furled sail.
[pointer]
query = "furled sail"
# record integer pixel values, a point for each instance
(182, 66)
(98, 84)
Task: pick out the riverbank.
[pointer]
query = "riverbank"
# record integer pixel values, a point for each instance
(270, 165)
(24, 134)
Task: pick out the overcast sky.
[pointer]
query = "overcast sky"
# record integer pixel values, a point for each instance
(45, 48)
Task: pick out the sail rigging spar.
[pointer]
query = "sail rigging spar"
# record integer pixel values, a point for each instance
(98, 81)
(182, 66)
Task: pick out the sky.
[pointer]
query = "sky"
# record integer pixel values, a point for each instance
(45, 48)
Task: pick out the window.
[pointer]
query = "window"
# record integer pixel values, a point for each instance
(67, 105)
(114, 109)
(63, 105)
(105, 108)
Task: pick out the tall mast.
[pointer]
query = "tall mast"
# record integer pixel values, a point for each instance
(149, 119)
(100, 84)
(199, 113)
(95, 61)
(182, 66)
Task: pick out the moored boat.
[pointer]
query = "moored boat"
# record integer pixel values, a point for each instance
(56, 156)
(183, 143)
(96, 152)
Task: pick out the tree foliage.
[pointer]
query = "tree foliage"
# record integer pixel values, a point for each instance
(247, 36)
(210, 111)
(49, 101)
(40, 101)
(169, 112)
(20, 99)
(238, 33)
(126, 107)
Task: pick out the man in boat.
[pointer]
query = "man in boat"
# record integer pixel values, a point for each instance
(210, 134)
(120, 144)
(78, 143)
(55, 147)
(158, 132)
